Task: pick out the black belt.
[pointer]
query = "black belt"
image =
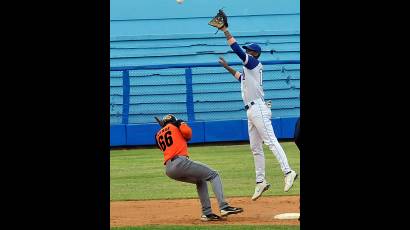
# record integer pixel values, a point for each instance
(247, 106)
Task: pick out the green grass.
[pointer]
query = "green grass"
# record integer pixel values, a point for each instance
(138, 174)
(214, 227)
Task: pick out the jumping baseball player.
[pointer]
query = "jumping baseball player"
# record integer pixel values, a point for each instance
(259, 115)
(172, 140)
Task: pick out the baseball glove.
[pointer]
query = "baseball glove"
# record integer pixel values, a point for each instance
(220, 20)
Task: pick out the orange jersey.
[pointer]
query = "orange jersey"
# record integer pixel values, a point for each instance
(173, 140)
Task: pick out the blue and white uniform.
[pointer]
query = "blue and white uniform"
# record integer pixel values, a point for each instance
(259, 115)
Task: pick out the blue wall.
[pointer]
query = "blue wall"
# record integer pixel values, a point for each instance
(202, 132)
(164, 32)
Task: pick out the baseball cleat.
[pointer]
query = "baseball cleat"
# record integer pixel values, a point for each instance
(230, 210)
(210, 217)
(290, 177)
(259, 189)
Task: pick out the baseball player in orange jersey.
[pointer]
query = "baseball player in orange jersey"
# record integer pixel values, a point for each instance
(172, 139)
(259, 115)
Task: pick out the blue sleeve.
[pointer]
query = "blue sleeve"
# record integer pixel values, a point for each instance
(235, 47)
(251, 62)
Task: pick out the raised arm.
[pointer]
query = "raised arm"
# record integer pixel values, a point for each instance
(249, 61)
(234, 73)
(234, 45)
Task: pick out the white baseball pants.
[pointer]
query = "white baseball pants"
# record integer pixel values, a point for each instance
(261, 131)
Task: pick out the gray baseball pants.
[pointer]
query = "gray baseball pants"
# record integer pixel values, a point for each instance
(185, 170)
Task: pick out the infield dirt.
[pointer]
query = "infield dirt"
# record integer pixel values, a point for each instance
(188, 211)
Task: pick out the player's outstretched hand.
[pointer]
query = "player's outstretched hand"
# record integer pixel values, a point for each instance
(223, 62)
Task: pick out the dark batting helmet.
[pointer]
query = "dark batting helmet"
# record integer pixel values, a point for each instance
(168, 119)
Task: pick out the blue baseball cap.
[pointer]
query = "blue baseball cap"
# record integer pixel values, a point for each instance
(253, 46)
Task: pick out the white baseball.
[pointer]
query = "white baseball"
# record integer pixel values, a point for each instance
(180, 1)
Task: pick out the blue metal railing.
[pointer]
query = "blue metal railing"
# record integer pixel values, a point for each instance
(188, 79)
(188, 65)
